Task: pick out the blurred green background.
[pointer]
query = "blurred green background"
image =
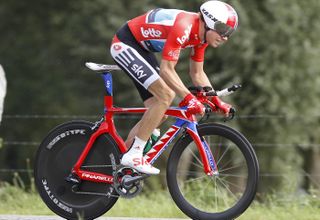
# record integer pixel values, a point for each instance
(275, 55)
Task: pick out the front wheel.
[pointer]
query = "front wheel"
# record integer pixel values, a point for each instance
(220, 197)
(55, 159)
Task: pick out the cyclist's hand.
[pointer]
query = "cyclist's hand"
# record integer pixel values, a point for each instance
(194, 106)
(225, 108)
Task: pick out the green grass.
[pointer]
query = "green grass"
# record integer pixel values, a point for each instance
(14, 200)
(281, 212)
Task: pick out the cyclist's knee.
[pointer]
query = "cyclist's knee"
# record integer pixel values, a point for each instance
(167, 96)
(162, 92)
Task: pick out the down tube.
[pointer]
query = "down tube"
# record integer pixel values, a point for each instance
(209, 163)
(164, 141)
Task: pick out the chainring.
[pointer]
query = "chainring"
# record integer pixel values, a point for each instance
(127, 191)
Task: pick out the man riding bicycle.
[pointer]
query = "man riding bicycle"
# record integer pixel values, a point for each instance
(168, 31)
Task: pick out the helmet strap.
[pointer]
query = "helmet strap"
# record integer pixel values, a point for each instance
(206, 29)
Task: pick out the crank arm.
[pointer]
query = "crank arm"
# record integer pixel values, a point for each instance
(130, 180)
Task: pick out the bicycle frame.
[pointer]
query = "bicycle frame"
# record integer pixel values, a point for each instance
(185, 121)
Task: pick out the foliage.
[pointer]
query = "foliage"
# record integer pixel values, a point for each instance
(274, 54)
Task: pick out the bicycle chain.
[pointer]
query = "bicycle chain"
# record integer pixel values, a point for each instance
(109, 194)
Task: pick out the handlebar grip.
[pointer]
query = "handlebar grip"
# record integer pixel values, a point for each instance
(234, 87)
(212, 93)
(207, 88)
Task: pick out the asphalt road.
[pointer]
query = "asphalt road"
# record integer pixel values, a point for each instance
(38, 217)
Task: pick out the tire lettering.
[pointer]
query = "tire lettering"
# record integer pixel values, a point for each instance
(54, 199)
(64, 135)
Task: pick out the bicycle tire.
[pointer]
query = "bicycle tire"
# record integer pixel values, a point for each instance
(179, 190)
(56, 156)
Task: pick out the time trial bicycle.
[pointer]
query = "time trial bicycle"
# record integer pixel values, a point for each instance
(212, 171)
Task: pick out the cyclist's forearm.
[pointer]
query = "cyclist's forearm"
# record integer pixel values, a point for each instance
(174, 82)
(197, 74)
(170, 76)
(200, 79)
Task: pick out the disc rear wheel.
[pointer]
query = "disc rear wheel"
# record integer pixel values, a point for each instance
(55, 159)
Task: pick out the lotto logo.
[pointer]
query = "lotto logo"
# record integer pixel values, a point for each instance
(186, 35)
(150, 32)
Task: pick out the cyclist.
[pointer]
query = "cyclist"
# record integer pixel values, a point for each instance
(167, 31)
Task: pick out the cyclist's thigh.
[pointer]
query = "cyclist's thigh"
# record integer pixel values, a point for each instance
(152, 60)
(136, 65)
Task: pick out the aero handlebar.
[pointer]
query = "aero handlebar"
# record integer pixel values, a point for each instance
(208, 91)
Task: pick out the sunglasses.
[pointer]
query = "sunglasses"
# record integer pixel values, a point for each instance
(222, 29)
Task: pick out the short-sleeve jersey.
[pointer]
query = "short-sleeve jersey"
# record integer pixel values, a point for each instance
(168, 31)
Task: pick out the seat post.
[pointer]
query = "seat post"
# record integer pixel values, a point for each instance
(105, 71)
(108, 98)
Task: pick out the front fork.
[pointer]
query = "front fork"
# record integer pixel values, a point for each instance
(209, 163)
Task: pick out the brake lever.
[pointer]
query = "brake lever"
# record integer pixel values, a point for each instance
(206, 116)
(231, 115)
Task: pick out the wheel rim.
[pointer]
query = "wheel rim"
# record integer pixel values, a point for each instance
(218, 193)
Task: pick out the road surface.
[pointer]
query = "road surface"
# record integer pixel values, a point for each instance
(38, 217)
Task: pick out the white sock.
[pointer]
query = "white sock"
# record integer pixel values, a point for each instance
(156, 132)
(137, 146)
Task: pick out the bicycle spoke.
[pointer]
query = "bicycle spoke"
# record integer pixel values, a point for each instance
(219, 146)
(188, 172)
(234, 175)
(186, 184)
(207, 185)
(223, 154)
(223, 198)
(195, 179)
(195, 156)
(226, 164)
(217, 192)
(216, 195)
(237, 186)
(228, 189)
(230, 168)
(197, 165)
